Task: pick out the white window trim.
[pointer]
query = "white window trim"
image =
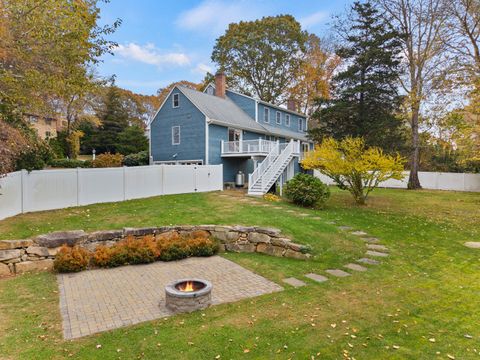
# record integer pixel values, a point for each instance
(300, 122)
(173, 135)
(178, 100)
(267, 111)
(287, 123)
(278, 119)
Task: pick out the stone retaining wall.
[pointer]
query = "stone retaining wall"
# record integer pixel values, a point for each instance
(36, 254)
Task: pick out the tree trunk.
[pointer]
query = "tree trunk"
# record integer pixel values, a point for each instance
(413, 180)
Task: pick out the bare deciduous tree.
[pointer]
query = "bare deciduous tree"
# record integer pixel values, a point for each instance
(423, 25)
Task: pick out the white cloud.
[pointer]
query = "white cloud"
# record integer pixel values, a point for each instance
(213, 16)
(313, 19)
(202, 69)
(149, 54)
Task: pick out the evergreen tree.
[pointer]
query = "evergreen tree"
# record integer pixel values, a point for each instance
(365, 98)
(114, 119)
(132, 140)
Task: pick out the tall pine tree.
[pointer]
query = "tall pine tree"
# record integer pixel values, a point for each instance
(114, 119)
(365, 99)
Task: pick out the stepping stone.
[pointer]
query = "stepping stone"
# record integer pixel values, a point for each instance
(356, 267)
(376, 253)
(316, 277)
(303, 215)
(472, 244)
(377, 247)
(331, 222)
(368, 261)
(372, 240)
(277, 207)
(294, 282)
(290, 211)
(359, 233)
(316, 218)
(337, 272)
(345, 228)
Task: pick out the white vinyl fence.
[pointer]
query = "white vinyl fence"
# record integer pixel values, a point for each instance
(22, 192)
(429, 180)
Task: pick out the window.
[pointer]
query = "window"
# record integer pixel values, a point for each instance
(266, 115)
(175, 135)
(301, 125)
(287, 120)
(175, 100)
(48, 134)
(210, 90)
(278, 117)
(305, 147)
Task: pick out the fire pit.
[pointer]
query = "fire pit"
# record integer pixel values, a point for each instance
(187, 295)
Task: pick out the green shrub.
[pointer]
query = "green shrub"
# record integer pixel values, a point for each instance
(108, 160)
(137, 159)
(307, 190)
(202, 247)
(68, 163)
(71, 259)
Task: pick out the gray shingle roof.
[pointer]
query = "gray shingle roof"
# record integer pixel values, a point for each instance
(220, 110)
(226, 112)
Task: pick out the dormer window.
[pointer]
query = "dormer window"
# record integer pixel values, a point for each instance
(278, 117)
(176, 100)
(266, 115)
(287, 119)
(210, 90)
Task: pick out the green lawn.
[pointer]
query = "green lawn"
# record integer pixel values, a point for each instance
(419, 304)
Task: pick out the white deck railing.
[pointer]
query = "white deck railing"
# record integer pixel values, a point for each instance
(258, 146)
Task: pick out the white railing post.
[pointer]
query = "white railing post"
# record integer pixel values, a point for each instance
(223, 147)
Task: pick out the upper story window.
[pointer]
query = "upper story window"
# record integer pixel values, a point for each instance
(210, 90)
(301, 124)
(278, 117)
(266, 115)
(287, 119)
(176, 100)
(175, 135)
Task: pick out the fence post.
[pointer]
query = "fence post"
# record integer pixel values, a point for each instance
(23, 187)
(78, 186)
(195, 178)
(163, 178)
(124, 184)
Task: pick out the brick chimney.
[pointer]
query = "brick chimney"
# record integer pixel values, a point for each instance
(292, 105)
(220, 84)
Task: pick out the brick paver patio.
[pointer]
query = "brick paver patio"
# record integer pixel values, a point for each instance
(104, 299)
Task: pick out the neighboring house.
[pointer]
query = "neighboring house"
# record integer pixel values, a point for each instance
(46, 127)
(220, 126)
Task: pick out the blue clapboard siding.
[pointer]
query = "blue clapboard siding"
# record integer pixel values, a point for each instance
(192, 131)
(245, 103)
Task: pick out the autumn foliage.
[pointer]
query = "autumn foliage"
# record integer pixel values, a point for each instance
(166, 247)
(353, 166)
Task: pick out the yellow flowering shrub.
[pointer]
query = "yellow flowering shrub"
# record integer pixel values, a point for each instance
(353, 166)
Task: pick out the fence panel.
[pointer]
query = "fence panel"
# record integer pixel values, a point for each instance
(143, 181)
(11, 195)
(207, 179)
(179, 179)
(428, 180)
(49, 190)
(100, 185)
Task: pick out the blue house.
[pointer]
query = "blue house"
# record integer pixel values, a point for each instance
(220, 126)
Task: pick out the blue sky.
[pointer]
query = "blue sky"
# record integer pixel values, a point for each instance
(165, 41)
